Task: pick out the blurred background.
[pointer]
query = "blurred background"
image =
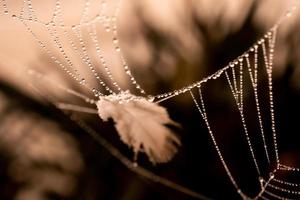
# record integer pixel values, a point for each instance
(167, 44)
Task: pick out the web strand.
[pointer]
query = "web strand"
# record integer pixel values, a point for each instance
(82, 50)
(202, 111)
(286, 183)
(254, 82)
(165, 96)
(235, 78)
(94, 36)
(58, 17)
(118, 49)
(75, 75)
(234, 74)
(45, 79)
(238, 96)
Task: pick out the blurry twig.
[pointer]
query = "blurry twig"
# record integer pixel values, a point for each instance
(119, 156)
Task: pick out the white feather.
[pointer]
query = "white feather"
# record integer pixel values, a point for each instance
(141, 125)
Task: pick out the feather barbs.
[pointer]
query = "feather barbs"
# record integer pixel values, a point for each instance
(140, 124)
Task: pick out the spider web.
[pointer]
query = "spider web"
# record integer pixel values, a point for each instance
(71, 42)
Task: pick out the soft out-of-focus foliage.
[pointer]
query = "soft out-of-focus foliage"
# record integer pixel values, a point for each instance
(41, 159)
(167, 36)
(168, 44)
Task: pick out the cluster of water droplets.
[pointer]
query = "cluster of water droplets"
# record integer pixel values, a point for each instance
(108, 22)
(125, 97)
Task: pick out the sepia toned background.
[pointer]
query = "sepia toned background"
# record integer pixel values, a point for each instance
(168, 44)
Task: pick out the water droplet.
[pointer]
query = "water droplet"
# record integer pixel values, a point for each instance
(118, 49)
(272, 175)
(82, 82)
(115, 40)
(150, 98)
(6, 12)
